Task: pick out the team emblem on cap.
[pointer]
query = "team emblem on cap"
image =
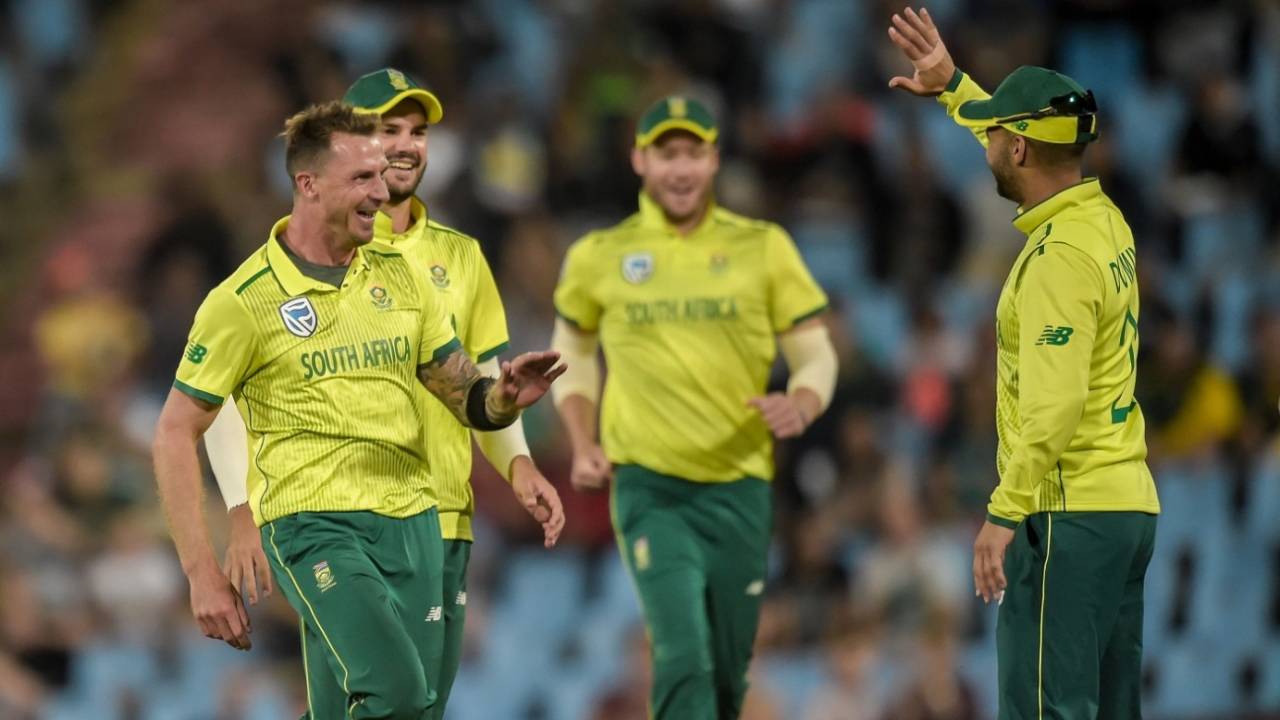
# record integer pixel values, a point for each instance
(397, 80)
(678, 107)
(299, 316)
(637, 267)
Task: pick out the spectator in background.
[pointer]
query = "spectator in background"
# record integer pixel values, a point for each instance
(935, 691)
(849, 691)
(1192, 404)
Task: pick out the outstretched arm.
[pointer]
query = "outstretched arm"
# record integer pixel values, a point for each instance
(935, 73)
(484, 403)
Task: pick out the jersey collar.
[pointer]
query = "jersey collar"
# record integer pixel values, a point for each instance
(290, 277)
(417, 214)
(1082, 193)
(653, 218)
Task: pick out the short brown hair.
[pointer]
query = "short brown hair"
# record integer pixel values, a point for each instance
(1057, 155)
(308, 134)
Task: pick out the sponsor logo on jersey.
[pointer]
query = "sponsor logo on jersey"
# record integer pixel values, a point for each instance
(299, 316)
(461, 599)
(755, 588)
(637, 267)
(1060, 335)
(435, 613)
(196, 352)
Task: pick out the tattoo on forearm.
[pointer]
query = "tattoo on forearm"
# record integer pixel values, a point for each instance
(450, 379)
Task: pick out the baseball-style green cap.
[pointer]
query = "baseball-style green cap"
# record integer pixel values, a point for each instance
(381, 90)
(1037, 103)
(676, 113)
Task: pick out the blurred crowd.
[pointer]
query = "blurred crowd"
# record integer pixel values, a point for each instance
(139, 162)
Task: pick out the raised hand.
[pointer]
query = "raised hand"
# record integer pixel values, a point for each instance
(527, 378)
(916, 35)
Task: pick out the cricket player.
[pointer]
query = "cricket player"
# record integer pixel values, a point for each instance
(323, 337)
(1071, 525)
(690, 302)
(461, 278)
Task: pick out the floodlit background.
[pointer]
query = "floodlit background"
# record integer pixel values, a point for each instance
(139, 164)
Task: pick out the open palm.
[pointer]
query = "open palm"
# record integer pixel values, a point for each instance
(527, 378)
(917, 37)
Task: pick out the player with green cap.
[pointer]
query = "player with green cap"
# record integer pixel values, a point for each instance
(690, 303)
(1071, 525)
(461, 280)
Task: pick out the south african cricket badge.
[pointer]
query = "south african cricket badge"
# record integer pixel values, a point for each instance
(640, 553)
(719, 263)
(439, 276)
(324, 576)
(379, 296)
(637, 267)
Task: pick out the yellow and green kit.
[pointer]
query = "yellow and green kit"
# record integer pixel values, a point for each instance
(688, 324)
(1074, 482)
(325, 376)
(462, 281)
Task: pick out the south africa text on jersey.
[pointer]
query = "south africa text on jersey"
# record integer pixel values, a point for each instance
(698, 309)
(347, 358)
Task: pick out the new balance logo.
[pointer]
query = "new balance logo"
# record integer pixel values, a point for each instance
(435, 614)
(1055, 335)
(196, 353)
(461, 599)
(755, 588)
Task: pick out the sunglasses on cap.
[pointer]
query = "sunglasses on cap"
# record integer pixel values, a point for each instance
(1073, 104)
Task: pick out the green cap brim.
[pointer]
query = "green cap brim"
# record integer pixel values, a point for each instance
(704, 133)
(429, 103)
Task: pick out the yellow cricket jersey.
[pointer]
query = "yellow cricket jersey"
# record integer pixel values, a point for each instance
(462, 282)
(325, 378)
(1072, 436)
(688, 328)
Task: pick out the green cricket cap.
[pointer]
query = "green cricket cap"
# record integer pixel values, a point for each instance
(676, 113)
(1037, 103)
(381, 90)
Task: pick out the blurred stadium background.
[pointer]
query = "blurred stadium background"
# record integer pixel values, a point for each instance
(139, 163)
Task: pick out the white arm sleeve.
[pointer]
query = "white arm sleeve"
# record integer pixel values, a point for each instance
(578, 351)
(811, 360)
(501, 447)
(227, 443)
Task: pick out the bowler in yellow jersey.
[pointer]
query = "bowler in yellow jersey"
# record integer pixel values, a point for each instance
(461, 279)
(323, 339)
(1071, 525)
(690, 303)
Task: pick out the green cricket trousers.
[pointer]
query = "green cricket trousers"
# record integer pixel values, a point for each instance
(697, 554)
(1069, 633)
(368, 591)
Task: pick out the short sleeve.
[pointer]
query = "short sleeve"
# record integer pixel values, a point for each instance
(485, 335)
(794, 296)
(574, 299)
(438, 337)
(220, 349)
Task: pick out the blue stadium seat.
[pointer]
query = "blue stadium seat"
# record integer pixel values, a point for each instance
(793, 678)
(1193, 679)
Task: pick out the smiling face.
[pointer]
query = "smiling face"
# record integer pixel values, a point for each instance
(678, 170)
(349, 185)
(404, 138)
